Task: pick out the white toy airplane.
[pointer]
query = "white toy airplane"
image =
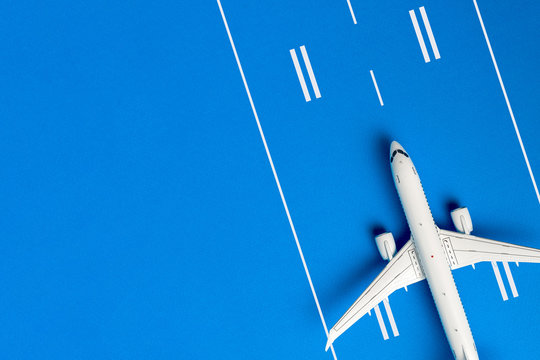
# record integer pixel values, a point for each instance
(431, 254)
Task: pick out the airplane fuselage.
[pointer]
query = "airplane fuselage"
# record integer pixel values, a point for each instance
(431, 255)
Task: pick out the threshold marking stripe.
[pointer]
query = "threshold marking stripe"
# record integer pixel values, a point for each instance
(275, 174)
(510, 279)
(381, 322)
(390, 317)
(310, 72)
(430, 33)
(499, 280)
(419, 36)
(300, 75)
(507, 101)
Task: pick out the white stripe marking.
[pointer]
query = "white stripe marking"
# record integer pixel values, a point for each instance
(510, 279)
(390, 317)
(310, 72)
(499, 280)
(430, 33)
(352, 12)
(381, 322)
(275, 175)
(376, 87)
(507, 101)
(419, 35)
(300, 75)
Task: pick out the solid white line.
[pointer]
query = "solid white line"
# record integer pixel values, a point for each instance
(419, 35)
(381, 322)
(510, 279)
(275, 174)
(430, 33)
(376, 87)
(300, 75)
(390, 317)
(507, 101)
(310, 72)
(499, 280)
(352, 12)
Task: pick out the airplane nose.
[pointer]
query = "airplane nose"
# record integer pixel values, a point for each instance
(394, 146)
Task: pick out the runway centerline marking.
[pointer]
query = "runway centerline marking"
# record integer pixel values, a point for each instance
(507, 101)
(275, 174)
(376, 87)
(352, 12)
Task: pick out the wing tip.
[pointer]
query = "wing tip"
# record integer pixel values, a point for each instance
(331, 338)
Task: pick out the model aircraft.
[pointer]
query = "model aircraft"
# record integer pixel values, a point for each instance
(431, 254)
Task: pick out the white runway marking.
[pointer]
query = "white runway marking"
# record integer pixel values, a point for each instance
(275, 176)
(510, 279)
(430, 33)
(352, 12)
(300, 75)
(499, 280)
(419, 35)
(381, 322)
(376, 87)
(390, 317)
(507, 101)
(310, 71)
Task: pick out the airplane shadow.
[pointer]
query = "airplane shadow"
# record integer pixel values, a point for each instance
(497, 231)
(355, 277)
(348, 284)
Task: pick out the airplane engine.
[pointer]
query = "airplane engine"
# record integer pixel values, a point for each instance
(462, 220)
(386, 245)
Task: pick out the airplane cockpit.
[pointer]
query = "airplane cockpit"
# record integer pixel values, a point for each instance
(398, 151)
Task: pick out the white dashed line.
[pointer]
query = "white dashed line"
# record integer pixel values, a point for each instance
(352, 12)
(376, 87)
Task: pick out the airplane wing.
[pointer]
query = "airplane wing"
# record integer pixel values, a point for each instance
(401, 271)
(462, 250)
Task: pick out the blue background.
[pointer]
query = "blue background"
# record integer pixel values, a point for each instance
(139, 217)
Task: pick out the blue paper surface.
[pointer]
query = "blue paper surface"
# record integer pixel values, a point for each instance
(140, 216)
